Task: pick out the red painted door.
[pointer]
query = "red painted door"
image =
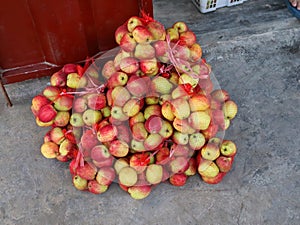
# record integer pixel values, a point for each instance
(39, 36)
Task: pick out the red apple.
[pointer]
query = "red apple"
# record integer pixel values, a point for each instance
(100, 153)
(105, 176)
(178, 179)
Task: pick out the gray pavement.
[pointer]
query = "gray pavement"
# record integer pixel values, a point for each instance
(256, 57)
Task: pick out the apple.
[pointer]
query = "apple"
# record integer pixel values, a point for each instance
(137, 146)
(181, 150)
(153, 124)
(210, 151)
(144, 51)
(75, 81)
(181, 108)
(199, 120)
(185, 79)
(139, 117)
(208, 168)
(88, 171)
(96, 101)
(137, 86)
(129, 65)
(229, 109)
(160, 47)
(63, 103)
(214, 180)
(183, 53)
(91, 117)
(154, 173)
(120, 32)
(152, 110)
(180, 26)
(164, 98)
(124, 133)
(132, 107)
(107, 133)
(92, 74)
(161, 85)
(179, 164)
(179, 92)
(128, 176)
(195, 52)
(139, 131)
(196, 141)
(76, 120)
(69, 68)
(88, 139)
(105, 176)
(183, 126)
(108, 69)
(96, 188)
(187, 38)
(139, 192)
(152, 100)
(61, 119)
(120, 163)
(128, 43)
(220, 95)
(198, 102)
(149, 66)
(173, 34)
(51, 92)
(120, 95)
(80, 183)
(167, 112)
(38, 102)
(192, 170)
(79, 105)
(56, 135)
(157, 30)
(178, 179)
(58, 79)
(133, 22)
(118, 114)
(66, 147)
(180, 138)
(211, 131)
(47, 113)
(224, 163)
(117, 79)
(139, 161)
(153, 141)
(43, 124)
(142, 35)
(162, 157)
(100, 153)
(118, 148)
(166, 130)
(206, 85)
(123, 54)
(105, 111)
(50, 150)
(104, 163)
(218, 118)
(228, 148)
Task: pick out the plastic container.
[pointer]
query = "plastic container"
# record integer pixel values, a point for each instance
(205, 6)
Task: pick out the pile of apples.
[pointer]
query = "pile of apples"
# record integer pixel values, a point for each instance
(148, 113)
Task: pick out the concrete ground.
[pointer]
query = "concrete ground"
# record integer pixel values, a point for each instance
(254, 51)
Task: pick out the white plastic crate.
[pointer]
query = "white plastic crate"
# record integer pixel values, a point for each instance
(205, 6)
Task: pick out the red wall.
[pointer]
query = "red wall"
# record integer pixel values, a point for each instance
(39, 36)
